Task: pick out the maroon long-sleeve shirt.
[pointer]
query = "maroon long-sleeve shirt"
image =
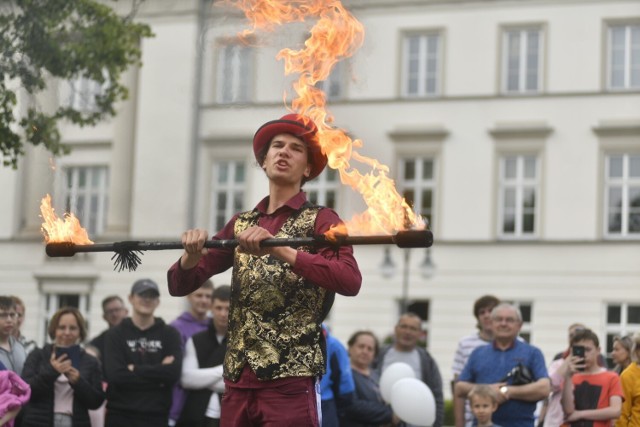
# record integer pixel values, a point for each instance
(335, 271)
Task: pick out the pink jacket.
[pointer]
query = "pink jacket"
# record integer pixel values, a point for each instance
(14, 393)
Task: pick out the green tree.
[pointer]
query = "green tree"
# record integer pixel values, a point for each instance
(42, 40)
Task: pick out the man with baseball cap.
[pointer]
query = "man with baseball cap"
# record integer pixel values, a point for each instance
(143, 362)
(279, 295)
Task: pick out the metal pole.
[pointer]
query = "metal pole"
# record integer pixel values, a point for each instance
(405, 281)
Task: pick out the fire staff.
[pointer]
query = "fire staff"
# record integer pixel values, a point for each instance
(279, 295)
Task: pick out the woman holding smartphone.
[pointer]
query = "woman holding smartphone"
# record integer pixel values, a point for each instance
(65, 380)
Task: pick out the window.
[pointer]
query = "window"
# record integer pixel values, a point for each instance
(59, 292)
(622, 319)
(421, 65)
(526, 311)
(83, 92)
(235, 73)
(517, 195)
(229, 182)
(323, 190)
(417, 184)
(421, 308)
(624, 57)
(522, 61)
(622, 195)
(85, 194)
(333, 86)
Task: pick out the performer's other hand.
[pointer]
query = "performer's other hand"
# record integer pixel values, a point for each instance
(193, 243)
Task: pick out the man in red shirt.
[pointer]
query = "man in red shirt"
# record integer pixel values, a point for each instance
(279, 295)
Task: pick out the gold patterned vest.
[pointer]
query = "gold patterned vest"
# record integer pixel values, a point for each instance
(275, 316)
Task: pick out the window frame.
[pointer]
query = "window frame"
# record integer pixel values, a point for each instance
(67, 196)
(322, 185)
(523, 55)
(52, 291)
(337, 77)
(627, 66)
(625, 182)
(419, 185)
(226, 52)
(619, 329)
(230, 189)
(520, 183)
(422, 91)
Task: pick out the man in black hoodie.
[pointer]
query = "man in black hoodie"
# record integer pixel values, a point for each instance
(143, 363)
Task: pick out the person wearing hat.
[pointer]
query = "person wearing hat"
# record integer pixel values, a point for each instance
(143, 363)
(279, 295)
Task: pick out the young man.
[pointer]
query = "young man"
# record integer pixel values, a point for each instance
(113, 312)
(591, 394)
(490, 364)
(482, 312)
(12, 353)
(202, 366)
(21, 311)
(195, 319)
(142, 364)
(405, 349)
(279, 295)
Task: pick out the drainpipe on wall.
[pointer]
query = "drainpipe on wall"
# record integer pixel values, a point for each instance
(203, 7)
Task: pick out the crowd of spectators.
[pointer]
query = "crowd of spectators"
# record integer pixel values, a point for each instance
(143, 372)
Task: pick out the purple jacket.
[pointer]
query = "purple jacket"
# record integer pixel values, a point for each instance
(14, 393)
(187, 325)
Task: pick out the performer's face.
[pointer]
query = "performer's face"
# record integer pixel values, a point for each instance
(287, 160)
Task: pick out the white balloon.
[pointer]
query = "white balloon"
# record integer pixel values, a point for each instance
(393, 373)
(413, 402)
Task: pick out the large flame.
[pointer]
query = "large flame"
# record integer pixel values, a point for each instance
(335, 35)
(61, 230)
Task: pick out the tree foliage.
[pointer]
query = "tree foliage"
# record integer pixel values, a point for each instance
(44, 40)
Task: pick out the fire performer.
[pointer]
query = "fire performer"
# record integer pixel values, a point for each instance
(279, 295)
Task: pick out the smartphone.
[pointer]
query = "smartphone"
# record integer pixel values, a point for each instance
(578, 350)
(73, 354)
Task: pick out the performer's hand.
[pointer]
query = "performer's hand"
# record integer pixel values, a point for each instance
(193, 243)
(249, 241)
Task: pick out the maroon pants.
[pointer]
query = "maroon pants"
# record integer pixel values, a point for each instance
(290, 402)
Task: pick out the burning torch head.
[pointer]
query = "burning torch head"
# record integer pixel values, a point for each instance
(299, 126)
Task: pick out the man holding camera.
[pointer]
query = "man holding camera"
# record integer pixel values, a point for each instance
(518, 389)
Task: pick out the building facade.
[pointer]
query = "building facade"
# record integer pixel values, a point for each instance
(513, 126)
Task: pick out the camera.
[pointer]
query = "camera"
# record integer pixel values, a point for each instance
(578, 350)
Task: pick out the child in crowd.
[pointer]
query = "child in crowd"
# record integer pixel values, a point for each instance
(591, 394)
(483, 402)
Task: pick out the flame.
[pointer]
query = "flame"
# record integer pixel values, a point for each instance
(335, 35)
(56, 229)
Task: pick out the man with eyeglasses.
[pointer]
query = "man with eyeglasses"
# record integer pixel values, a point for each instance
(113, 312)
(143, 362)
(12, 352)
(492, 364)
(405, 349)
